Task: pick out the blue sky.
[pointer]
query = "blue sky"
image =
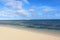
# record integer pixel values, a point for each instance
(29, 9)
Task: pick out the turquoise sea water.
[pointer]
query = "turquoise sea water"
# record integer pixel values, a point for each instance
(38, 24)
(45, 31)
(45, 26)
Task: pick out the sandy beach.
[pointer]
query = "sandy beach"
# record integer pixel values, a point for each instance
(8, 33)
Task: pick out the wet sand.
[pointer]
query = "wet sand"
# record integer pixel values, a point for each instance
(8, 33)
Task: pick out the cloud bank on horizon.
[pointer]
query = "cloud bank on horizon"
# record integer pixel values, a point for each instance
(29, 9)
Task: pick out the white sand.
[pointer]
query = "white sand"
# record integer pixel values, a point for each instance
(7, 33)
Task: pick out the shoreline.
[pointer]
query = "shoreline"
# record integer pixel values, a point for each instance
(45, 31)
(8, 33)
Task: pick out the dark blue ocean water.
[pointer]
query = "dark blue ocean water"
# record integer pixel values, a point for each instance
(38, 24)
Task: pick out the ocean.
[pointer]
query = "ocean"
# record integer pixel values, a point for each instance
(45, 26)
(37, 24)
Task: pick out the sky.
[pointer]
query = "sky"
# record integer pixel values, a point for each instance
(29, 9)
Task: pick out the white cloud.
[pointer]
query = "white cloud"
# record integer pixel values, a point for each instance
(14, 4)
(26, 1)
(10, 13)
(32, 10)
(7, 13)
(22, 12)
(16, 8)
(34, 13)
(47, 9)
(39, 12)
